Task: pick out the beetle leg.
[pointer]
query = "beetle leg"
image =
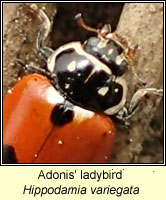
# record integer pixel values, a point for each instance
(121, 116)
(45, 27)
(45, 52)
(123, 42)
(125, 113)
(35, 69)
(129, 53)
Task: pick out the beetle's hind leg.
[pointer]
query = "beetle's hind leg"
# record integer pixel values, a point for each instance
(125, 113)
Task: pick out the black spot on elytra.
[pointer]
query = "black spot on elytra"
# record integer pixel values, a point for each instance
(62, 114)
(9, 156)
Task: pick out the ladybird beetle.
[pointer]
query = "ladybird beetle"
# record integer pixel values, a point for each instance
(68, 105)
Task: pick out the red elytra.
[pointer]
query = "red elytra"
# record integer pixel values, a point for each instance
(28, 129)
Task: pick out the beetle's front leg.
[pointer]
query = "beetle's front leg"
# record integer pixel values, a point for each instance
(125, 113)
(45, 27)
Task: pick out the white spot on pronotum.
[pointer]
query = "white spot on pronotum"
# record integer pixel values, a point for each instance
(102, 44)
(67, 86)
(60, 142)
(110, 51)
(103, 91)
(119, 60)
(72, 66)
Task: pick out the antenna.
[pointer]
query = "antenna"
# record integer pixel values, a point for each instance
(81, 22)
